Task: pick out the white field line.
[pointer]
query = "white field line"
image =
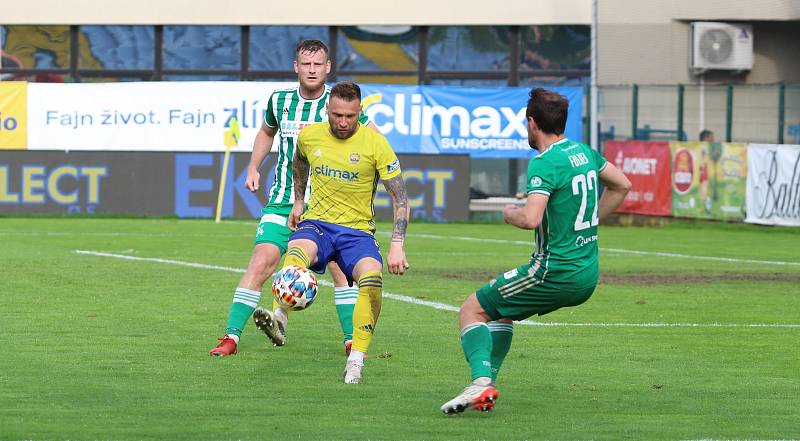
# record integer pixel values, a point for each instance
(446, 307)
(611, 250)
(425, 236)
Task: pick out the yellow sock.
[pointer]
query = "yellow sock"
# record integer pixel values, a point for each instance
(276, 306)
(297, 256)
(368, 307)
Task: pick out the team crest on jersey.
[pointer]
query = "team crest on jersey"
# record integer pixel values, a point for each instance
(536, 181)
(354, 158)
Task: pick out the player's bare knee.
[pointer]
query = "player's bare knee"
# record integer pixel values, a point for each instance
(263, 263)
(471, 311)
(367, 265)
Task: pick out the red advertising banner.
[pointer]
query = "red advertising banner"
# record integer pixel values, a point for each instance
(646, 164)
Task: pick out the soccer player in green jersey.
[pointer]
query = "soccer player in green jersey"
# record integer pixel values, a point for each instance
(564, 209)
(288, 111)
(344, 160)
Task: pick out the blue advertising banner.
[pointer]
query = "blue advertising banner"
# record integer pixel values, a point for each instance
(483, 122)
(187, 184)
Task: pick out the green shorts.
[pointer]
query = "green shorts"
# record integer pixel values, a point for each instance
(517, 295)
(273, 226)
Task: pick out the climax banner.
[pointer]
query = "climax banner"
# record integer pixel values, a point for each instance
(186, 184)
(193, 116)
(483, 122)
(646, 164)
(709, 180)
(773, 184)
(13, 115)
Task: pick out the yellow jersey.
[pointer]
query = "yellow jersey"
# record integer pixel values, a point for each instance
(344, 174)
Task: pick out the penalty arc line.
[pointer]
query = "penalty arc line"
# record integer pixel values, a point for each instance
(446, 307)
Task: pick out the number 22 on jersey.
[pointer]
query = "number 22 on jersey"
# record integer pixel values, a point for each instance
(585, 186)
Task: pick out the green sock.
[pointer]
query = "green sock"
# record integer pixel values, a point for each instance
(501, 343)
(345, 299)
(476, 340)
(244, 303)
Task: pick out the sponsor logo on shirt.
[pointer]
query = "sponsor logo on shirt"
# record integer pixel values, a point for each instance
(335, 173)
(394, 166)
(581, 240)
(293, 128)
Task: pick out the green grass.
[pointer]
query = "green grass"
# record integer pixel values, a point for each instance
(104, 348)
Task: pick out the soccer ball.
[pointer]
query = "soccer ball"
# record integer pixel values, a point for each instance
(295, 287)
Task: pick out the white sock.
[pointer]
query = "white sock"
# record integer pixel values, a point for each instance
(356, 356)
(482, 381)
(233, 337)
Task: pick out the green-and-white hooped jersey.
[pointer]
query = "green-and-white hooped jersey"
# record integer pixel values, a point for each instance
(289, 112)
(566, 241)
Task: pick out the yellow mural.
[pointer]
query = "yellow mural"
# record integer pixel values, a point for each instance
(24, 42)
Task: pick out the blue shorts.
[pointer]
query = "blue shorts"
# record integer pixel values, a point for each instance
(343, 245)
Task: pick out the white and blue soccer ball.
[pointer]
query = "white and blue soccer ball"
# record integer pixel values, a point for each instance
(295, 287)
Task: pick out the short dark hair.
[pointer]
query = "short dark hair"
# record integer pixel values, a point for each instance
(548, 109)
(346, 90)
(312, 46)
(705, 133)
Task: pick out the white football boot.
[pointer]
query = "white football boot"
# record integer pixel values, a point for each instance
(352, 372)
(478, 396)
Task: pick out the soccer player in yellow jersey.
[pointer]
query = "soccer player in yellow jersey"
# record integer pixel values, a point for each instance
(344, 161)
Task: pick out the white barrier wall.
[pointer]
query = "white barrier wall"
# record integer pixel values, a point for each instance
(773, 184)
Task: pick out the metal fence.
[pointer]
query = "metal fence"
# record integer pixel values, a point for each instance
(734, 113)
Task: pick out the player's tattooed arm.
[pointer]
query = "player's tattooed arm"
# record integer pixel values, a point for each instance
(300, 167)
(396, 259)
(396, 187)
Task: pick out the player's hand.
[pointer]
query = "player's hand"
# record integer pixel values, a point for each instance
(253, 177)
(294, 216)
(508, 211)
(397, 259)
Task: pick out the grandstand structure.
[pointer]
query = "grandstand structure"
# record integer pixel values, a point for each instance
(647, 88)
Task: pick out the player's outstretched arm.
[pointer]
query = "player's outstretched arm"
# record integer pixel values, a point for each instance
(261, 146)
(529, 216)
(617, 186)
(300, 167)
(396, 187)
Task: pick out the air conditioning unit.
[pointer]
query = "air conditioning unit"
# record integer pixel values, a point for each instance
(721, 46)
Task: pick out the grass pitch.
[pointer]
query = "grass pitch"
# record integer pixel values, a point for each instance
(692, 334)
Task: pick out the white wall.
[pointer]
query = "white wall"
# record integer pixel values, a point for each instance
(665, 11)
(647, 41)
(306, 12)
